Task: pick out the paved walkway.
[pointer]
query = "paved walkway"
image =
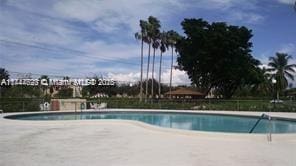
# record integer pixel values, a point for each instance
(115, 142)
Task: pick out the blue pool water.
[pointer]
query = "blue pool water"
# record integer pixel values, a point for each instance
(187, 121)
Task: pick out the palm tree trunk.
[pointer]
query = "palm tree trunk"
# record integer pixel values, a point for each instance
(146, 95)
(141, 79)
(152, 84)
(159, 80)
(171, 75)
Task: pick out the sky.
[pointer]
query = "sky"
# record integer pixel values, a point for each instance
(80, 38)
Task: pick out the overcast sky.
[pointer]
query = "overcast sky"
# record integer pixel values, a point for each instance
(86, 37)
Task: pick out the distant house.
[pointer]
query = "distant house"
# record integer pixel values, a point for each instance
(185, 93)
(67, 104)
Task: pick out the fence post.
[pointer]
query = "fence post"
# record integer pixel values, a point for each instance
(41, 102)
(269, 138)
(75, 106)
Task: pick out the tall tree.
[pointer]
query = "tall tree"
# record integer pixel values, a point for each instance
(279, 65)
(154, 35)
(143, 37)
(217, 56)
(163, 47)
(148, 40)
(172, 38)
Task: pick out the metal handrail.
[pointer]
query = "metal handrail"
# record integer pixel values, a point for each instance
(269, 138)
(257, 122)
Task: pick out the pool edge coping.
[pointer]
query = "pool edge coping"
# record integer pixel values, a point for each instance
(278, 136)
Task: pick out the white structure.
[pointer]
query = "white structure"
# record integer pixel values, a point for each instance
(67, 104)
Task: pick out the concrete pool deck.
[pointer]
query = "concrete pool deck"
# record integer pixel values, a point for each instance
(116, 142)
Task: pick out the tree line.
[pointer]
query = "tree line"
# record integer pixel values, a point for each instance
(216, 56)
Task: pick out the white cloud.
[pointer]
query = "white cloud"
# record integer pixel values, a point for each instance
(179, 77)
(289, 48)
(102, 49)
(106, 16)
(109, 16)
(89, 26)
(289, 2)
(125, 77)
(250, 18)
(36, 29)
(243, 11)
(224, 4)
(49, 21)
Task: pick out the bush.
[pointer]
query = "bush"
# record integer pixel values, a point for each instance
(212, 104)
(20, 104)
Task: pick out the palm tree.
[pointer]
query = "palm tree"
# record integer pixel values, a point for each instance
(163, 47)
(143, 37)
(281, 70)
(154, 35)
(173, 37)
(146, 36)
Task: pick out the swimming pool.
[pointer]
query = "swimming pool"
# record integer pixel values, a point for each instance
(187, 121)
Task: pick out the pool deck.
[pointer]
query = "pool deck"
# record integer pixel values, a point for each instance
(131, 143)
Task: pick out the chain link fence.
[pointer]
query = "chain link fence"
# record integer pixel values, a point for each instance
(29, 105)
(204, 104)
(21, 105)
